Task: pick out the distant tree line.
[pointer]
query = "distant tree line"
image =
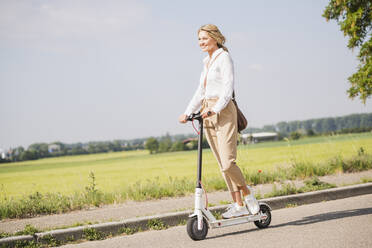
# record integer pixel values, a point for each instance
(55, 149)
(344, 124)
(168, 143)
(181, 142)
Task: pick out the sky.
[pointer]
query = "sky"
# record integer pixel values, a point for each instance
(94, 70)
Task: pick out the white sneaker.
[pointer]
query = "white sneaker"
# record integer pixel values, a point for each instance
(234, 210)
(251, 202)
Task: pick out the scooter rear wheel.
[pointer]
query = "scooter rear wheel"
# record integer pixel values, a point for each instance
(266, 222)
(192, 228)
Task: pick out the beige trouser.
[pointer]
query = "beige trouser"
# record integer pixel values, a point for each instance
(221, 132)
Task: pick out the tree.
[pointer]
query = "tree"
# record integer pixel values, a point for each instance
(308, 124)
(29, 155)
(165, 143)
(269, 128)
(318, 125)
(354, 17)
(40, 148)
(178, 146)
(329, 125)
(16, 153)
(293, 126)
(366, 120)
(152, 145)
(283, 127)
(295, 135)
(310, 132)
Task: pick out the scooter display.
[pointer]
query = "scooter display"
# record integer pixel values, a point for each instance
(202, 219)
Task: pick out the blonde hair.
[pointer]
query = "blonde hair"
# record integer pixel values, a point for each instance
(215, 34)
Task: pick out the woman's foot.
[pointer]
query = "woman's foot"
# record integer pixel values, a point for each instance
(234, 210)
(252, 203)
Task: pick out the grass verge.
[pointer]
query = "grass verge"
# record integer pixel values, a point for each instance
(90, 234)
(312, 184)
(50, 203)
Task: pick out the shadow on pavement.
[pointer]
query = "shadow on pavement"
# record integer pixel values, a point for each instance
(310, 220)
(326, 217)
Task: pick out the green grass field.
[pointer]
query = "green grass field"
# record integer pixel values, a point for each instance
(115, 171)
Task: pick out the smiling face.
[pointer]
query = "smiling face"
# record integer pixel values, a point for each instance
(207, 43)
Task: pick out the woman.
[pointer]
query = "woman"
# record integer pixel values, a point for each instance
(213, 98)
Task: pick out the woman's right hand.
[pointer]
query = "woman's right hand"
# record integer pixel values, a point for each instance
(182, 118)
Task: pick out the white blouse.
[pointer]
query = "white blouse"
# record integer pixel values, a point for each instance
(220, 82)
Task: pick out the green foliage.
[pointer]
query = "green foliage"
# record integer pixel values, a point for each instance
(50, 241)
(91, 188)
(93, 195)
(217, 215)
(286, 189)
(313, 184)
(310, 132)
(4, 235)
(127, 230)
(291, 205)
(295, 135)
(353, 123)
(50, 203)
(178, 146)
(28, 230)
(93, 234)
(156, 224)
(355, 20)
(165, 143)
(28, 244)
(153, 189)
(357, 163)
(222, 202)
(361, 151)
(38, 203)
(260, 163)
(29, 155)
(182, 222)
(152, 145)
(366, 180)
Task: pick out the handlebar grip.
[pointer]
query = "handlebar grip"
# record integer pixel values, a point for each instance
(194, 116)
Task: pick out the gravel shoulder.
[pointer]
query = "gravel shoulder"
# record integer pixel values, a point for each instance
(133, 209)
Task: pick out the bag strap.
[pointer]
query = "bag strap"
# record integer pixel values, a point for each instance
(209, 66)
(206, 75)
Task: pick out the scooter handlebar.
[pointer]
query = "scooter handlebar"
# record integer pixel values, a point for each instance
(193, 116)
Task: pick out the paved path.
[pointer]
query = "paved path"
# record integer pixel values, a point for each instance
(146, 208)
(339, 223)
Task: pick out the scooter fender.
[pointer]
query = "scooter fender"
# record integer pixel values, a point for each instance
(192, 215)
(265, 204)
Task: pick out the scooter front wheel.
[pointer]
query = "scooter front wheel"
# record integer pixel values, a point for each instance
(192, 228)
(265, 210)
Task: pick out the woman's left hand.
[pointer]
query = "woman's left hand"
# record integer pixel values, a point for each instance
(208, 113)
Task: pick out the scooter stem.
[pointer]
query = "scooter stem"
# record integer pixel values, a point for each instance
(200, 150)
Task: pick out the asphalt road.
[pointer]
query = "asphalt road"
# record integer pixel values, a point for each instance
(340, 223)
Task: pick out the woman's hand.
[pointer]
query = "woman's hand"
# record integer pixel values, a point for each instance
(182, 118)
(208, 113)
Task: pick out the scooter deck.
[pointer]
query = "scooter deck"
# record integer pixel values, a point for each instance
(237, 221)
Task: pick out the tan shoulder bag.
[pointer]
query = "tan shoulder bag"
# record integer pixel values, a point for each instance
(242, 121)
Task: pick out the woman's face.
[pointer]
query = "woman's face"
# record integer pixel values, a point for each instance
(207, 43)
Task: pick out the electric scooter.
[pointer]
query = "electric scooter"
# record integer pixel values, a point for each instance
(202, 219)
